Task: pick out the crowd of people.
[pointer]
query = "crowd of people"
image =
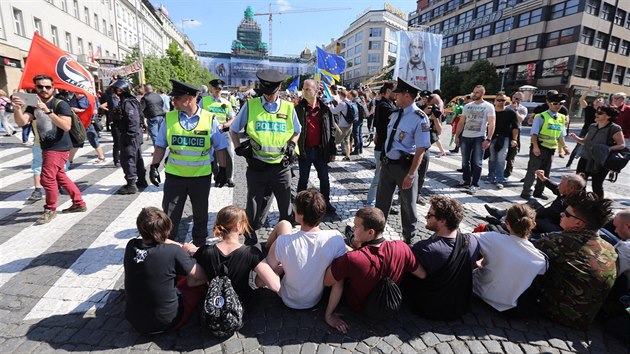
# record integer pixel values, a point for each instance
(528, 259)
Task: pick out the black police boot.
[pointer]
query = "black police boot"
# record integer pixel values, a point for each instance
(142, 183)
(130, 188)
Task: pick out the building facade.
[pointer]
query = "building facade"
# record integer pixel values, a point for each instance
(96, 32)
(566, 45)
(369, 44)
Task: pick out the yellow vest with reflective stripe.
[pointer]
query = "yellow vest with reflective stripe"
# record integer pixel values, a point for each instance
(216, 108)
(190, 149)
(551, 130)
(269, 132)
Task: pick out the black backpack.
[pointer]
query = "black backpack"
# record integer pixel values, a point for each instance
(351, 114)
(78, 134)
(364, 112)
(222, 311)
(385, 299)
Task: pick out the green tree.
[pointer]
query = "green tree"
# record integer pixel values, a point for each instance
(450, 82)
(390, 74)
(482, 72)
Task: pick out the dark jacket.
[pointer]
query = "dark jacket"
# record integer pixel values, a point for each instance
(152, 105)
(131, 122)
(327, 145)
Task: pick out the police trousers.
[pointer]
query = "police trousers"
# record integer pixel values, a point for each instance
(176, 189)
(131, 159)
(392, 175)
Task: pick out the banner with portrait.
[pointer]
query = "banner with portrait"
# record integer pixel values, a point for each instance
(418, 59)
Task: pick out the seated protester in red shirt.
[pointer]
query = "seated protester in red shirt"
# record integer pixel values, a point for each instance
(449, 258)
(356, 270)
(163, 284)
(240, 260)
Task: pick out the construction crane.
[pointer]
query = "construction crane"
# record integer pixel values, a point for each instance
(271, 13)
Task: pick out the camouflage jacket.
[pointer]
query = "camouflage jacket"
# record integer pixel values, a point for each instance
(582, 270)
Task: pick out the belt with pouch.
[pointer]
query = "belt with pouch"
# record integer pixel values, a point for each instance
(405, 159)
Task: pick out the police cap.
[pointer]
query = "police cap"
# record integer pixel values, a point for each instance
(556, 97)
(217, 83)
(404, 86)
(182, 88)
(425, 93)
(269, 76)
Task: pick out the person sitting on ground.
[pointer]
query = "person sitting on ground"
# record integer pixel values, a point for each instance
(240, 260)
(582, 266)
(510, 262)
(622, 229)
(449, 258)
(162, 283)
(548, 217)
(303, 256)
(362, 266)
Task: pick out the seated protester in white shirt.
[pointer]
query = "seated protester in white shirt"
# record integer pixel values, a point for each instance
(304, 256)
(510, 262)
(162, 283)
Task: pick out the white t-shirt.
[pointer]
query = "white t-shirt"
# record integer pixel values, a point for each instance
(477, 119)
(510, 264)
(305, 257)
(623, 260)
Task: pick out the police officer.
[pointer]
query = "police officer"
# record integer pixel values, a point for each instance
(130, 138)
(223, 112)
(407, 139)
(548, 128)
(273, 129)
(191, 134)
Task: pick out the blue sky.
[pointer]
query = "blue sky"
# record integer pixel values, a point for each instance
(215, 21)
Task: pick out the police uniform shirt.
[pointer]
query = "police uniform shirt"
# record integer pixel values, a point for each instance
(240, 122)
(412, 132)
(538, 122)
(217, 138)
(231, 113)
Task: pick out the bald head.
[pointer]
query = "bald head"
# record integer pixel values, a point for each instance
(622, 224)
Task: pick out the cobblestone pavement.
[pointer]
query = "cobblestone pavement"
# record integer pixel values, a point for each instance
(61, 285)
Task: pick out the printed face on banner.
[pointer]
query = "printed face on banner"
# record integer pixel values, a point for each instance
(418, 60)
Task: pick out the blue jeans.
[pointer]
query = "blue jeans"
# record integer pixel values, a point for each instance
(357, 127)
(92, 136)
(472, 159)
(496, 163)
(371, 197)
(26, 131)
(314, 156)
(153, 125)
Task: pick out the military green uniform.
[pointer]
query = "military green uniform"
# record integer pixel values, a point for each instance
(582, 270)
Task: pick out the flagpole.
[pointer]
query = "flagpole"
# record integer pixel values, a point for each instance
(141, 72)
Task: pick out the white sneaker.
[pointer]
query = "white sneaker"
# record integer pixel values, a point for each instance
(499, 186)
(473, 189)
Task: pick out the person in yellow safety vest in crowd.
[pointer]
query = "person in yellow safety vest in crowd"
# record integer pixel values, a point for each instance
(273, 129)
(223, 112)
(547, 129)
(234, 100)
(191, 134)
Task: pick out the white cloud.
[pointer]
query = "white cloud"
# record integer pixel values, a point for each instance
(283, 5)
(191, 23)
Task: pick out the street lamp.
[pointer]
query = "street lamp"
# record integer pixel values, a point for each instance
(507, 3)
(184, 20)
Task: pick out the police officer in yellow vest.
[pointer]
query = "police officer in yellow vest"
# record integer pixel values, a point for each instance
(191, 134)
(223, 112)
(273, 129)
(547, 129)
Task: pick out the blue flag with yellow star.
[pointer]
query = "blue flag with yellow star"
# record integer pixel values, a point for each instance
(333, 63)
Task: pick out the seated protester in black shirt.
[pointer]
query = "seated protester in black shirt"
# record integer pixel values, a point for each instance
(162, 283)
(240, 260)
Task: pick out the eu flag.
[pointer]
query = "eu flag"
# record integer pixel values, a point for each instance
(333, 63)
(294, 85)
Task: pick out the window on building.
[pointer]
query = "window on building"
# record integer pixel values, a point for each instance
(607, 12)
(452, 5)
(373, 69)
(86, 15)
(564, 9)
(608, 71)
(613, 45)
(601, 40)
(104, 26)
(75, 8)
(376, 32)
(356, 73)
(462, 37)
(37, 23)
(439, 10)
(64, 5)
(460, 58)
(350, 52)
(588, 35)
(110, 34)
(80, 49)
(624, 48)
(449, 23)
(503, 25)
(626, 79)
(526, 72)
(96, 21)
(466, 16)
(479, 53)
(500, 49)
(393, 48)
(483, 31)
(554, 67)
(560, 37)
(592, 7)
(374, 45)
(107, 53)
(358, 49)
(581, 67)
(349, 64)
(54, 36)
(595, 71)
(90, 48)
(350, 41)
(436, 28)
(620, 17)
(485, 9)
(505, 4)
(619, 72)
(628, 24)
(18, 22)
(529, 18)
(448, 42)
(446, 60)
(357, 60)
(68, 42)
(374, 57)
(391, 35)
(527, 43)
(359, 36)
